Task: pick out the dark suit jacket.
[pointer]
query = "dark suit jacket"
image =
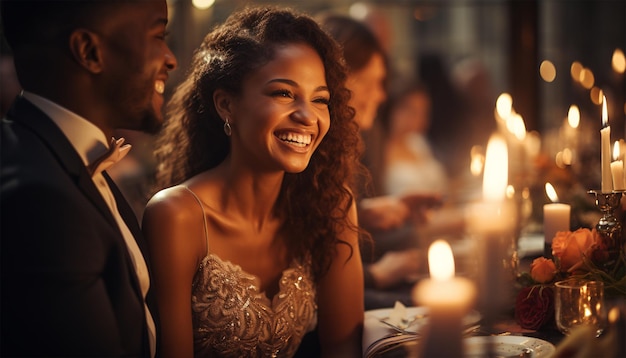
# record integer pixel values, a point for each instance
(68, 286)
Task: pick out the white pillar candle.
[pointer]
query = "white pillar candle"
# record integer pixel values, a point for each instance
(605, 142)
(448, 299)
(556, 217)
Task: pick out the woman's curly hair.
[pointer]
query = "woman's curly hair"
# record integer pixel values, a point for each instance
(313, 204)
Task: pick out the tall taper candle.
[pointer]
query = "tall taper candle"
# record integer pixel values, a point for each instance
(605, 136)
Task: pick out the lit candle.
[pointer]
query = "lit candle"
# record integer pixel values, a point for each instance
(448, 299)
(605, 136)
(492, 215)
(491, 222)
(617, 168)
(517, 128)
(556, 217)
(622, 157)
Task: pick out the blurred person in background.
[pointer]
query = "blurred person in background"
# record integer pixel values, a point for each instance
(410, 166)
(389, 219)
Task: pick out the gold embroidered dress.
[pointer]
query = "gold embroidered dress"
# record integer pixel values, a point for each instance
(231, 318)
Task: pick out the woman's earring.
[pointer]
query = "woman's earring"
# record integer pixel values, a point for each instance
(227, 129)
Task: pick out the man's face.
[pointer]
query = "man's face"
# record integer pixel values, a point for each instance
(136, 64)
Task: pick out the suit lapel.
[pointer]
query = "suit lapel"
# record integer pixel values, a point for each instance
(30, 116)
(127, 213)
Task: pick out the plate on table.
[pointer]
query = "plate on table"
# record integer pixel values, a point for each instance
(507, 346)
(416, 317)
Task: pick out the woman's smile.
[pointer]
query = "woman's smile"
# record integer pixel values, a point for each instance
(295, 139)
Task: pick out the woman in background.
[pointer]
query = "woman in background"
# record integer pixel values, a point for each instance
(255, 238)
(390, 219)
(410, 166)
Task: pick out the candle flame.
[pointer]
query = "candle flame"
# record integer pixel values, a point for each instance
(616, 150)
(495, 175)
(477, 160)
(504, 105)
(551, 193)
(515, 125)
(440, 261)
(605, 116)
(573, 116)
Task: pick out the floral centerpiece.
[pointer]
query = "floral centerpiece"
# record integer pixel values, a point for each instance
(578, 254)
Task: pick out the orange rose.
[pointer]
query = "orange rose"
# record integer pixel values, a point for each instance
(571, 247)
(542, 270)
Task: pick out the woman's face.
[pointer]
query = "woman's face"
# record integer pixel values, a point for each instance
(368, 90)
(282, 114)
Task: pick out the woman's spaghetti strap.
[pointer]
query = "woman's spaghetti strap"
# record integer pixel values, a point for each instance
(206, 230)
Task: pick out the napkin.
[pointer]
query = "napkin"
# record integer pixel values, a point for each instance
(398, 315)
(374, 330)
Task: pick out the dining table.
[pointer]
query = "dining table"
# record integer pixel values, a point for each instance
(503, 328)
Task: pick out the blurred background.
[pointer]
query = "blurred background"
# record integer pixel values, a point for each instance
(547, 63)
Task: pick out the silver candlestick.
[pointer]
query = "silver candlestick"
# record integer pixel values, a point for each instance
(608, 227)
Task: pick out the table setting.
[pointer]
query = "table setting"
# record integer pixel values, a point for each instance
(560, 292)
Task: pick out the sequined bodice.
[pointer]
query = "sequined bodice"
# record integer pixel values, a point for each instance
(231, 318)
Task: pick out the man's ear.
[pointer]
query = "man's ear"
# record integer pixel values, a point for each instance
(223, 104)
(86, 50)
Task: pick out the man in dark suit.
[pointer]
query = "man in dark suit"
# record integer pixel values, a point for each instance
(74, 280)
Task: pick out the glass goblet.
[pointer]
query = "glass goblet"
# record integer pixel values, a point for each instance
(579, 302)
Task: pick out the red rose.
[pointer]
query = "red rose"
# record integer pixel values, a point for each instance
(599, 253)
(534, 307)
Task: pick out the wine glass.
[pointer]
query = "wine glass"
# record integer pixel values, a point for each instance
(579, 302)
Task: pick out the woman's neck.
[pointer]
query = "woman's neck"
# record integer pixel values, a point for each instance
(249, 194)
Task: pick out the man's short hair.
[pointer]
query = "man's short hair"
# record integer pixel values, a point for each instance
(28, 22)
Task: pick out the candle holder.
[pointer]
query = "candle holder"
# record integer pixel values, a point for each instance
(608, 227)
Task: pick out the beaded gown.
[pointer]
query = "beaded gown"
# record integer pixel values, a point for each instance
(232, 318)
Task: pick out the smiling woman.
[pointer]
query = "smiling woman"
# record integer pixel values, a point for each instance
(253, 236)
(282, 102)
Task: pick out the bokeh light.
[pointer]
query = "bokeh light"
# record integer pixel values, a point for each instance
(596, 95)
(587, 78)
(575, 70)
(618, 62)
(547, 71)
(202, 4)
